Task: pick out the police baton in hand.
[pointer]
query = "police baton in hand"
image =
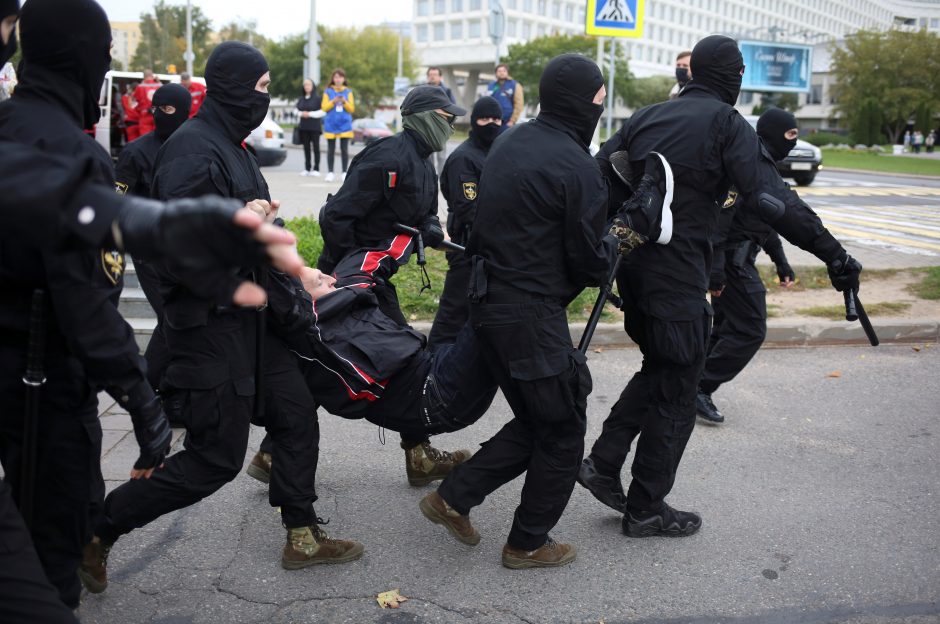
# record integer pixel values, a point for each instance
(448, 245)
(33, 379)
(606, 294)
(855, 311)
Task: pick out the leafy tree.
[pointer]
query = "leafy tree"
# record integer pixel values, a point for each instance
(163, 39)
(286, 60)
(245, 32)
(898, 71)
(786, 101)
(527, 60)
(646, 91)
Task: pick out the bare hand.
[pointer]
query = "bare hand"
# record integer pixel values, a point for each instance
(786, 282)
(716, 293)
(280, 249)
(143, 473)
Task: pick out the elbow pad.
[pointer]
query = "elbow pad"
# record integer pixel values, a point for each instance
(769, 208)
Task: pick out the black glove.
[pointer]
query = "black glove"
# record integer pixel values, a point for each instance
(844, 272)
(197, 234)
(432, 234)
(151, 427)
(717, 280)
(785, 272)
(628, 239)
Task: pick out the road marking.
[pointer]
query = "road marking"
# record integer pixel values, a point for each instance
(873, 222)
(863, 236)
(882, 191)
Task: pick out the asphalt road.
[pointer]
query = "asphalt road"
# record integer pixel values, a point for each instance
(820, 497)
(885, 221)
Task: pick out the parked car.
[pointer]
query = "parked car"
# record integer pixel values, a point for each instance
(368, 130)
(802, 163)
(267, 142)
(115, 83)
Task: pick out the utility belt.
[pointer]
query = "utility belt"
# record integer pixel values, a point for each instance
(487, 288)
(743, 254)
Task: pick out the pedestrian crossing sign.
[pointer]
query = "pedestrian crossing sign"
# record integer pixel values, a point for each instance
(615, 18)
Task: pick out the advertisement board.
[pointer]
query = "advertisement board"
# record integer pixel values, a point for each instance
(779, 67)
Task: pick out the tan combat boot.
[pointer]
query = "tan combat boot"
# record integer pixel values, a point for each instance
(425, 464)
(93, 571)
(260, 467)
(438, 511)
(307, 546)
(551, 554)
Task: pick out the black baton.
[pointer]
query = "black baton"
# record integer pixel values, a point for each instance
(855, 311)
(33, 380)
(450, 246)
(602, 297)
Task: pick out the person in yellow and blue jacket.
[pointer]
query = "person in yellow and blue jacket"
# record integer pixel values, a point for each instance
(339, 104)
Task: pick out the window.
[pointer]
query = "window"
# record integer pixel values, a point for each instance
(511, 28)
(527, 5)
(474, 30)
(815, 95)
(569, 13)
(526, 30)
(475, 5)
(456, 30)
(511, 5)
(439, 31)
(422, 33)
(440, 7)
(934, 23)
(556, 10)
(456, 6)
(423, 7)
(540, 31)
(542, 7)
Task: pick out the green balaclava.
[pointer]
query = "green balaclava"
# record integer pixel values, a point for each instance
(430, 126)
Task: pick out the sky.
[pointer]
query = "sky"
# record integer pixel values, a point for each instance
(276, 18)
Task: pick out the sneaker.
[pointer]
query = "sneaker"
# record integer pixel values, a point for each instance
(667, 522)
(315, 173)
(706, 409)
(329, 177)
(260, 467)
(605, 488)
(425, 464)
(304, 173)
(438, 511)
(647, 215)
(93, 571)
(551, 554)
(307, 546)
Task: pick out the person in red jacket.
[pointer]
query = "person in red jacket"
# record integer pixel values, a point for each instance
(196, 90)
(131, 116)
(143, 96)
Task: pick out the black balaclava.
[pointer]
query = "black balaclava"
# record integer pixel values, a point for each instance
(232, 71)
(566, 94)
(8, 8)
(179, 98)
(486, 106)
(71, 39)
(716, 64)
(771, 127)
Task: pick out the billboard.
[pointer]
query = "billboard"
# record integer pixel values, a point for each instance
(781, 67)
(614, 18)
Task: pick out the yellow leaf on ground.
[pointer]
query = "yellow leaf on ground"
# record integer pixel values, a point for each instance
(390, 599)
(836, 374)
(916, 349)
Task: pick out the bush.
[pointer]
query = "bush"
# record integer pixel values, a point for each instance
(309, 240)
(820, 139)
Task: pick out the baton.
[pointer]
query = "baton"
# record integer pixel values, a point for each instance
(446, 244)
(33, 379)
(603, 296)
(855, 311)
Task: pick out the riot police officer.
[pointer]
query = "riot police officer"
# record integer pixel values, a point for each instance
(460, 185)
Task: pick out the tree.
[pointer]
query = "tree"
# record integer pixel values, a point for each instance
(163, 39)
(245, 32)
(286, 61)
(898, 71)
(786, 101)
(527, 60)
(646, 91)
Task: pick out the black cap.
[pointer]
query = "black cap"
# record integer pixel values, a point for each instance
(428, 98)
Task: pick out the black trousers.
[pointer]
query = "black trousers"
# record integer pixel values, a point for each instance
(293, 435)
(69, 487)
(311, 139)
(331, 153)
(157, 353)
(739, 329)
(454, 308)
(658, 404)
(217, 423)
(527, 347)
(25, 593)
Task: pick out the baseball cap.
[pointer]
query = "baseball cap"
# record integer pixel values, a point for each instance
(426, 98)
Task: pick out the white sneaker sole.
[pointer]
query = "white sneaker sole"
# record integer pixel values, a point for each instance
(666, 222)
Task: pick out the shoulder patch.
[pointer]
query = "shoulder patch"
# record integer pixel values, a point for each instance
(121, 188)
(112, 263)
(391, 179)
(729, 201)
(470, 190)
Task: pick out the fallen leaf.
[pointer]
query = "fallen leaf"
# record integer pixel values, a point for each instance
(835, 374)
(390, 599)
(599, 350)
(917, 349)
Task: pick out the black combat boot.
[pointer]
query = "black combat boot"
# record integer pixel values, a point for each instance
(667, 522)
(605, 488)
(706, 409)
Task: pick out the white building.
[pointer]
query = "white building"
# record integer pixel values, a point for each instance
(454, 34)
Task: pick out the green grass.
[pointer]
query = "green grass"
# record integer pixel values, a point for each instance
(879, 162)
(415, 304)
(929, 286)
(837, 312)
(815, 277)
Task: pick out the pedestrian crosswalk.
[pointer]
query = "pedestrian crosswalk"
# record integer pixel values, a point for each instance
(913, 228)
(855, 190)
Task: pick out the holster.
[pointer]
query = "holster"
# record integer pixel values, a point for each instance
(476, 290)
(744, 253)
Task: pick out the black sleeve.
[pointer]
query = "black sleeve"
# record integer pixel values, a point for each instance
(460, 185)
(290, 307)
(363, 190)
(188, 176)
(126, 172)
(587, 258)
(740, 153)
(774, 249)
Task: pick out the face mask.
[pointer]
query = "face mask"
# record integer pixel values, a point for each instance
(258, 108)
(771, 127)
(682, 75)
(176, 96)
(431, 127)
(487, 134)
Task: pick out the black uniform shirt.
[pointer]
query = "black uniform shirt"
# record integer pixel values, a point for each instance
(83, 286)
(541, 212)
(390, 181)
(460, 185)
(134, 171)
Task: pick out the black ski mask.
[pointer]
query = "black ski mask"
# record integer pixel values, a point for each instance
(71, 39)
(716, 64)
(771, 127)
(232, 71)
(485, 107)
(566, 94)
(179, 98)
(8, 8)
